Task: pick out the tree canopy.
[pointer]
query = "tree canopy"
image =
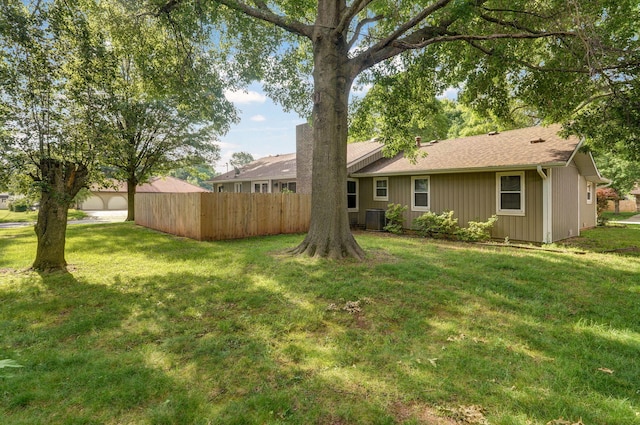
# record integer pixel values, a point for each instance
(93, 85)
(552, 54)
(167, 106)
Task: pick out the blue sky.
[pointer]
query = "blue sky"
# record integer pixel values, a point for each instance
(264, 128)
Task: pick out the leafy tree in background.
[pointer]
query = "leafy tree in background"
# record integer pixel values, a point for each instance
(240, 159)
(494, 49)
(166, 99)
(199, 175)
(624, 174)
(52, 101)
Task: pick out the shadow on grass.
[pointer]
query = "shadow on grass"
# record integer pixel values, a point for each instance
(531, 337)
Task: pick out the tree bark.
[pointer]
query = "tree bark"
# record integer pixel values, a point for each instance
(132, 182)
(61, 181)
(329, 232)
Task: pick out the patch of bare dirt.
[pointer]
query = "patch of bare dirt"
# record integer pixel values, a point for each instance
(423, 414)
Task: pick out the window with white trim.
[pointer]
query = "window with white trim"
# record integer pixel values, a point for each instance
(260, 187)
(381, 189)
(510, 193)
(288, 187)
(420, 200)
(352, 195)
(589, 192)
(221, 188)
(237, 187)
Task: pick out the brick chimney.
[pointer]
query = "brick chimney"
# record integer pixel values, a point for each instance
(304, 157)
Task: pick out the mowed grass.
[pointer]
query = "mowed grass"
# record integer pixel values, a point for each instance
(7, 216)
(148, 328)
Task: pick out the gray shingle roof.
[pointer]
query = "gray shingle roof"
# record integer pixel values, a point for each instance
(523, 148)
(283, 167)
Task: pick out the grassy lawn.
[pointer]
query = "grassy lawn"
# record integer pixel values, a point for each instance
(153, 329)
(609, 215)
(7, 216)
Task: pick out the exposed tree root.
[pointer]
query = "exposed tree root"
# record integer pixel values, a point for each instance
(326, 248)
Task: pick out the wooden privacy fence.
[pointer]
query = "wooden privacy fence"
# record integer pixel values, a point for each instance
(218, 216)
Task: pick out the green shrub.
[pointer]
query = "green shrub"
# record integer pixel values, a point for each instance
(395, 218)
(477, 230)
(446, 226)
(436, 226)
(19, 205)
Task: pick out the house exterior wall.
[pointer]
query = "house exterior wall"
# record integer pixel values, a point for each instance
(276, 186)
(567, 193)
(472, 197)
(4, 201)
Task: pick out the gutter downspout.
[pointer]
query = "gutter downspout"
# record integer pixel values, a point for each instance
(547, 224)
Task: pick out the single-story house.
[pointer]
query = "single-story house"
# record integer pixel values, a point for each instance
(114, 196)
(541, 186)
(288, 172)
(4, 201)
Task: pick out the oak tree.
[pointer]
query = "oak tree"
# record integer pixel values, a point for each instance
(341, 40)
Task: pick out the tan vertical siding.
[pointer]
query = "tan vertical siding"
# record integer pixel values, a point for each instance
(366, 161)
(472, 197)
(588, 212)
(565, 202)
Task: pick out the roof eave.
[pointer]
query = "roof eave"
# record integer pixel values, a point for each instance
(255, 178)
(461, 170)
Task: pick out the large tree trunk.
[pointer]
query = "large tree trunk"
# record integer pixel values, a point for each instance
(131, 195)
(61, 181)
(329, 233)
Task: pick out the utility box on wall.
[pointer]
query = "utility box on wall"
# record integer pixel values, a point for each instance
(375, 220)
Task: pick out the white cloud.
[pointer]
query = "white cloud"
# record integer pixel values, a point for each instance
(244, 97)
(258, 118)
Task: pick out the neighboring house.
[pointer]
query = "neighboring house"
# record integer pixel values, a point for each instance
(541, 186)
(4, 201)
(114, 197)
(280, 173)
(636, 194)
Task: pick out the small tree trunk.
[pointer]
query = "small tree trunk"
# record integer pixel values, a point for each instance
(131, 196)
(616, 206)
(61, 181)
(329, 232)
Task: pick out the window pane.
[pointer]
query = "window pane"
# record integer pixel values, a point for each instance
(421, 200)
(421, 185)
(351, 201)
(381, 184)
(382, 192)
(510, 201)
(351, 187)
(510, 183)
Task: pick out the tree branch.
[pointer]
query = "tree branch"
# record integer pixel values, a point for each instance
(356, 7)
(265, 14)
(359, 27)
(407, 44)
(490, 52)
(407, 26)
